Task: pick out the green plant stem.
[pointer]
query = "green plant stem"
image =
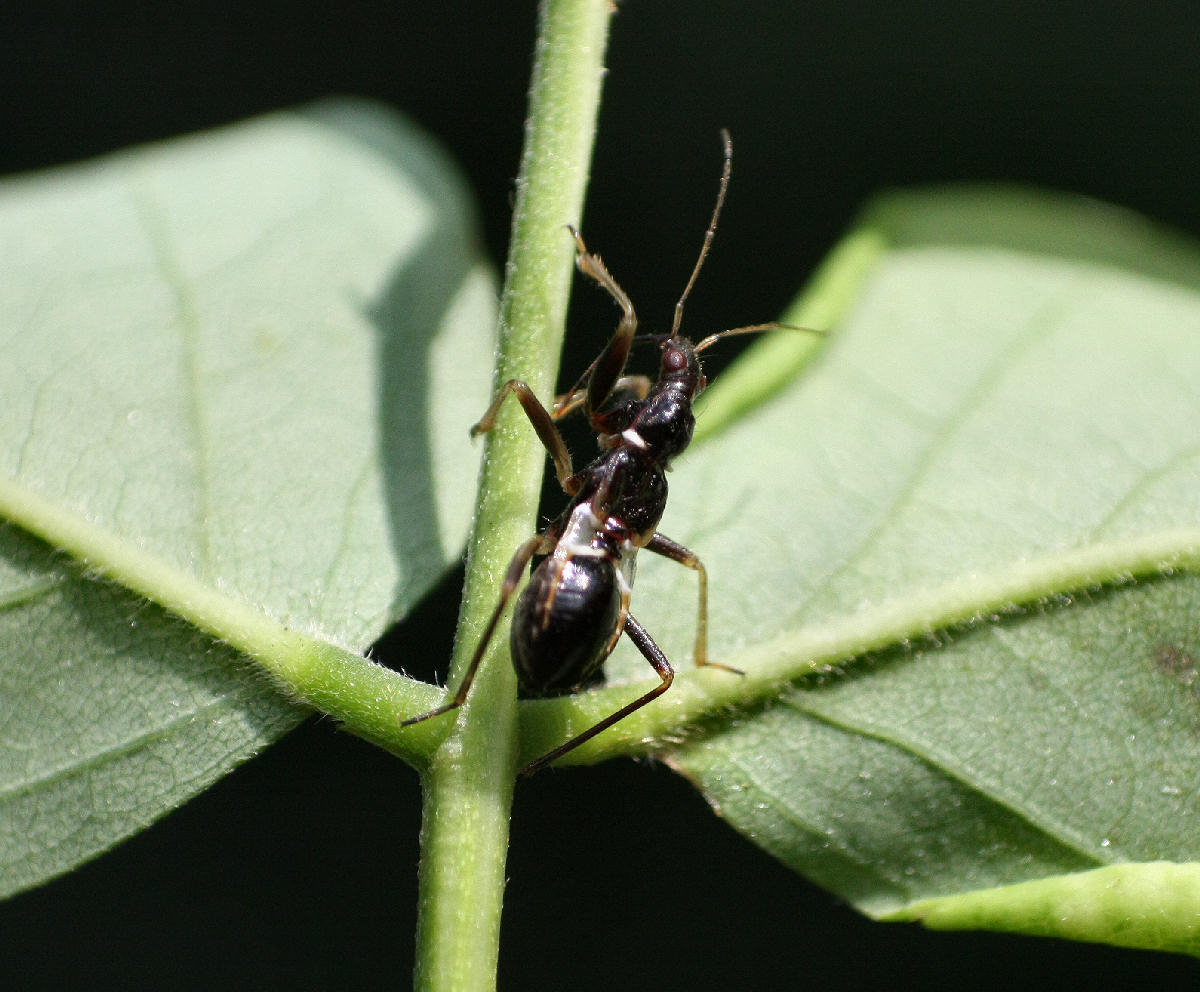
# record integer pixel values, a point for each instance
(469, 781)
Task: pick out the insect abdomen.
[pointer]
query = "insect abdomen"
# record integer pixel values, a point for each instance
(563, 623)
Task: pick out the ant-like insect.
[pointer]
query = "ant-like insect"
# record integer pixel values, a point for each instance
(576, 606)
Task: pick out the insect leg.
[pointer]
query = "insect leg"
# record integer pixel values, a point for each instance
(608, 367)
(543, 424)
(677, 552)
(637, 385)
(653, 654)
(512, 578)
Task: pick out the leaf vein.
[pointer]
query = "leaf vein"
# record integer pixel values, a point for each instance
(108, 755)
(170, 267)
(954, 422)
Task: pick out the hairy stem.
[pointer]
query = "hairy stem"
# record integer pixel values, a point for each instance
(468, 783)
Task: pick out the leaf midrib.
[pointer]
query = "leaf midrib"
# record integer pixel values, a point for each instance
(773, 665)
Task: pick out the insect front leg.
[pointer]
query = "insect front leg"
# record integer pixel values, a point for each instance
(607, 369)
(653, 654)
(543, 424)
(637, 386)
(512, 578)
(677, 552)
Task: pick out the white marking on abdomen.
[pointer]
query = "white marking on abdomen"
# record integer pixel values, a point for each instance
(579, 536)
(627, 568)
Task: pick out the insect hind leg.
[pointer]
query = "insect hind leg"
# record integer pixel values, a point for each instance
(653, 654)
(512, 579)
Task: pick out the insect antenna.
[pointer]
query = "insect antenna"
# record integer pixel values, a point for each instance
(709, 234)
(773, 325)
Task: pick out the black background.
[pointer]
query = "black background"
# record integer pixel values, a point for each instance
(298, 871)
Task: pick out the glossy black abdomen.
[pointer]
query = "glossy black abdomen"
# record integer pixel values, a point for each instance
(563, 622)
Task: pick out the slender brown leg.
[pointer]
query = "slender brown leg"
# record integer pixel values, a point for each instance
(611, 363)
(638, 385)
(573, 398)
(653, 654)
(543, 424)
(677, 552)
(512, 578)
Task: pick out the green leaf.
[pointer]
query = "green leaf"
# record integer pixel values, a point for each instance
(238, 374)
(951, 558)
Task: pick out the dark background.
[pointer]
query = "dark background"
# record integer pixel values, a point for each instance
(298, 871)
